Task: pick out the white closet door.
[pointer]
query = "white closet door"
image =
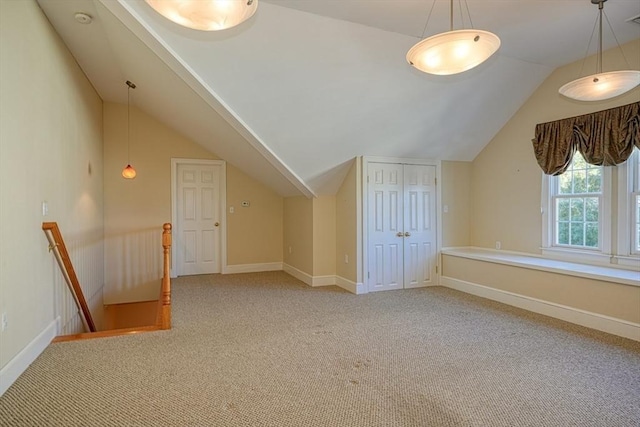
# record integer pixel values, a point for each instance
(386, 236)
(401, 226)
(419, 225)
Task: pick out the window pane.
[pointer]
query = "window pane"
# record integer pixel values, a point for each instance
(577, 233)
(594, 180)
(579, 181)
(562, 209)
(591, 209)
(637, 239)
(578, 161)
(577, 209)
(591, 234)
(565, 183)
(563, 233)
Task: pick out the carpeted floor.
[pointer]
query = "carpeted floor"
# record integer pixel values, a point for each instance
(266, 350)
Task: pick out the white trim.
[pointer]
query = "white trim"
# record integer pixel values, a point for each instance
(607, 273)
(310, 280)
(175, 271)
(591, 320)
(16, 366)
(351, 286)
(253, 268)
(576, 255)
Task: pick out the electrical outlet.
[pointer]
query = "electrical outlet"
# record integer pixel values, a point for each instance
(346, 259)
(289, 249)
(5, 322)
(45, 208)
(498, 244)
(232, 209)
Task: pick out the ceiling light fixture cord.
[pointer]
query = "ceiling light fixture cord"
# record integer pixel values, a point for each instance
(466, 3)
(616, 39)
(128, 122)
(599, 66)
(424, 30)
(586, 53)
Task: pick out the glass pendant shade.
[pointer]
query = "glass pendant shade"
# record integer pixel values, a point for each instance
(206, 15)
(598, 87)
(453, 52)
(129, 172)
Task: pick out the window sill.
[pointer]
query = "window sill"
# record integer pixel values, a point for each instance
(534, 262)
(628, 260)
(576, 255)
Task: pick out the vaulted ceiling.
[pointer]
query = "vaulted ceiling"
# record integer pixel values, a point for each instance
(304, 86)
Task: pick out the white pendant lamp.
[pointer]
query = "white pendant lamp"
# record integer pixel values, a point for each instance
(129, 172)
(206, 15)
(602, 85)
(453, 52)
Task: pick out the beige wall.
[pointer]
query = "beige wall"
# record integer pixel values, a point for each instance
(298, 233)
(609, 299)
(50, 149)
(254, 233)
(506, 179)
(324, 236)
(136, 209)
(347, 226)
(456, 197)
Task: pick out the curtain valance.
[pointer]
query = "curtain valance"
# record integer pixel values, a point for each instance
(603, 138)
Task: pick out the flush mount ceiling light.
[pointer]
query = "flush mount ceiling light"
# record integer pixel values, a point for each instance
(206, 15)
(129, 172)
(453, 52)
(602, 85)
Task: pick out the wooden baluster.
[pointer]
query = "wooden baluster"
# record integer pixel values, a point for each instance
(165, 317)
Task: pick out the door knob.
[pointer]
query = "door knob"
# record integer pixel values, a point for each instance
(407, 234)
(216, 224)
(400, 234)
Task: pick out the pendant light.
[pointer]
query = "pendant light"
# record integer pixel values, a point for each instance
(453, 52)
(129, 172)
(210, 15)
(602, 85)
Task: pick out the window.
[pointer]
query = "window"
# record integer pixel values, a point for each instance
(629, 210)
(576, 212)
(577, 201)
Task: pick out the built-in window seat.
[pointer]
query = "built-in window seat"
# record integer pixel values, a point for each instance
(599, 297)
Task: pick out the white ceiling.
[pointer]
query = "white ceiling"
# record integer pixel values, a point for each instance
(292, 95)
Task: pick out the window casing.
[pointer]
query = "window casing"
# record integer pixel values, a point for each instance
(576, 209)
(629, 211)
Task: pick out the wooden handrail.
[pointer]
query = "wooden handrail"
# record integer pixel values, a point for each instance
(56, 244)
(164, 303)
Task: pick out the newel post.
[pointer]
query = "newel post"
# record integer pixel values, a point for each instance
(166, 280)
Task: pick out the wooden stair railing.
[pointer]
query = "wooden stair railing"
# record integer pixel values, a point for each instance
(164, 302)
(56, 244)
(163, 311)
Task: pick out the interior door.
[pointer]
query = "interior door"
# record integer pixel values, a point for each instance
(401, 226)
(419, 225)
(198, 209)
(386, 234)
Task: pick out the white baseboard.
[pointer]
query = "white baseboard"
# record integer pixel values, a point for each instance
(351, 286)
(591, 320)
(309, 279)
(252, 268)
(16, 366)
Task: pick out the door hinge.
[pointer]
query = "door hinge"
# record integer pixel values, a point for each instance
(435, 181)
(368, 275)
(367, 178)
(436, 269)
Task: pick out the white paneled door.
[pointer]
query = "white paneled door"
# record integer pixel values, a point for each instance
(401, 226)
(198, 209)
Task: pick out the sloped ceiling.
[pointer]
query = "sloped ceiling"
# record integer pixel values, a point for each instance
(295, 93)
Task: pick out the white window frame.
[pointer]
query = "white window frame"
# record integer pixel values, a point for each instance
(600, 255)
(628, 177)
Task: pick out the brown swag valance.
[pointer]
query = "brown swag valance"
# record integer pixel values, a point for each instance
(603, 138)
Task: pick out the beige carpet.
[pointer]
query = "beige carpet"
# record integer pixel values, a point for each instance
(266, 350)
